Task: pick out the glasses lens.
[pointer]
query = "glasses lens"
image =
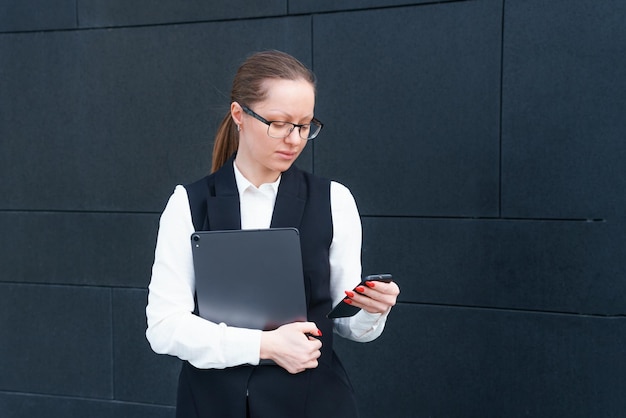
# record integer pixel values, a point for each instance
(283, 129)
(279, 129)
(311, 130)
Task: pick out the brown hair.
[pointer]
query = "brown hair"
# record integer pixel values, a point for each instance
(248, 89)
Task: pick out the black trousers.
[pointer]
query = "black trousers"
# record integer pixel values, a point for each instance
(265, 392)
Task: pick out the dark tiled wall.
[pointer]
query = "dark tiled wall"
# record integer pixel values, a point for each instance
(483, 141)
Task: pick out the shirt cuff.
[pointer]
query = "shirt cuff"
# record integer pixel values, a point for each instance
(241, 345)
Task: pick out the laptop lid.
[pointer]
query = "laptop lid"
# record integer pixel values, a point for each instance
(249, 278)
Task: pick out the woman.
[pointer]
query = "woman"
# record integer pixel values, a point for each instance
(255, 185)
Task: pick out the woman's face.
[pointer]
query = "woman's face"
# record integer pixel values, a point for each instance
(261, 158)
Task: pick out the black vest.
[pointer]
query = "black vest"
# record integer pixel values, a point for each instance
(303, 202)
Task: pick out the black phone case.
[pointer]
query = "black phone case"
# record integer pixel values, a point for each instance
(343, 310)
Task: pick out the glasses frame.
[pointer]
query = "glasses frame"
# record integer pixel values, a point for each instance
(260, 118)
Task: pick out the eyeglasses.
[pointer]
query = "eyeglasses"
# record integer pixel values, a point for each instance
(279, 130)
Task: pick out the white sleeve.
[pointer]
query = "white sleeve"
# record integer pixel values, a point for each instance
(172, 327)
(345, 266)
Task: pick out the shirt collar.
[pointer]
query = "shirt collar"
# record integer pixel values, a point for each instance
(243, 184)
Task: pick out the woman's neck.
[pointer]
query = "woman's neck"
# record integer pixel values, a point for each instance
(256, 177)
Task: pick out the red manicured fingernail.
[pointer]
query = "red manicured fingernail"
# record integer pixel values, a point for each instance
(348, 301)
(319, 332)
(360, 289)
(370, 284)
(349, 294)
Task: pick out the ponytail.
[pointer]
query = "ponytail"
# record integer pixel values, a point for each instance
(226, 143)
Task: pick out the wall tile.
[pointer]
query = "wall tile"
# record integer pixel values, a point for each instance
(15, 405)
(563, 124)
(413, 112)
(56, 340)
(97, 13)
(539, 265)
(36, 15)
(140, 374)
(316, 6)
(436, 361)
(103, 249)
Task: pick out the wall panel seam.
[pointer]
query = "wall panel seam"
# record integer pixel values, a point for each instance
(514, 310)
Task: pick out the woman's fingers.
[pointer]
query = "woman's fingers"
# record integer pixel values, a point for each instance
(292, 346)
(375, 297)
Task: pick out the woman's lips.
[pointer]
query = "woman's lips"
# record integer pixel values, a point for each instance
(286, 154)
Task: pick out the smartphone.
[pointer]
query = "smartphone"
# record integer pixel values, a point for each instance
(343, 310)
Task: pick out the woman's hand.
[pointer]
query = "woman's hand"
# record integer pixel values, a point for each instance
(374, 297)
(292, 346)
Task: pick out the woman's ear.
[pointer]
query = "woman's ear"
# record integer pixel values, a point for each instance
(236, 112)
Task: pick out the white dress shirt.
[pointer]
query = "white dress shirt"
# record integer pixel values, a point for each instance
(173, 328)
